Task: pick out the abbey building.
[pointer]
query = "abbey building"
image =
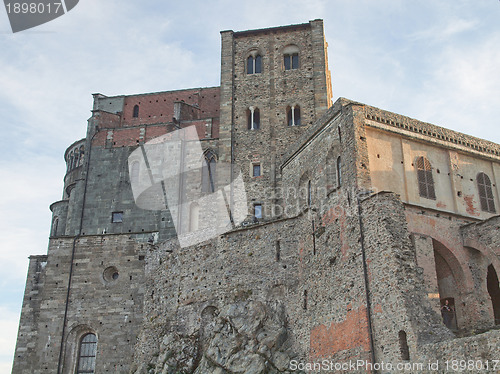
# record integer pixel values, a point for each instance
(365, 234)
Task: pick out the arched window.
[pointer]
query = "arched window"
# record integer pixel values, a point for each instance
(136, 111)
(485, 193)
(194, 216)
(87, 354)
(291, 57)
(293, 115)
(208, 173)
(254, 64)
(425, 180)
(253, 116)
(339, 172)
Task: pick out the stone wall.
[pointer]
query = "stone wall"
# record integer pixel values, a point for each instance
(98, 303)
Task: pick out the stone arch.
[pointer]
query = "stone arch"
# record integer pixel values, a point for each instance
(71, 345)
(449, 276)
(494, 292)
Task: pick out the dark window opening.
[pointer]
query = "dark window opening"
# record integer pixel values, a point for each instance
(339, 172)
(291, 61)
(403, 346)
(254, 64)
(253, 118)
(208, 173)
(293, 116)
(304, 306)
(87, 355)
(494, 292)
(117, 217)
(256, 170)
(309, 194)
(425, 179)
(485, 193)
(136, 111)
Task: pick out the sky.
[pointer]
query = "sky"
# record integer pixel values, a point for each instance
(434, 60)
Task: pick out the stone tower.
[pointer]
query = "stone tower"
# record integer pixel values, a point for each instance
(274, 84)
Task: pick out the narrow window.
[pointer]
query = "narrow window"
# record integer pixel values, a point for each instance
(117, 217)
(256, 170)
(403, 346)
(309, 194)
(304, 306)
(295, 61)
(425, 180)
(208, 173)
(257, 208)
(485, 193)
(250, 62)
(278, 250)
(253, 116)
(254, 64)
(258, 64)
(339, 172)
(136, 111)
(87, 355)
(291, 61)
(293, 115)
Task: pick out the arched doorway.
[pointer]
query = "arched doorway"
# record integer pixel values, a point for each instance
(494, 292)
(448, 286)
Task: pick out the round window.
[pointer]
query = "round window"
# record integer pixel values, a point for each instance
(110, 274)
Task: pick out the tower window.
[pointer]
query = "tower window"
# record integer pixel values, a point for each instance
(208, 172)
(257, 211)
(87, 354)
(291, 61)
(254, 64)
(485, 193)
(293, 115)
(425, 180)
(135, 114)
(117, 217)
(256, 170)
(253, 116)
(291, 57)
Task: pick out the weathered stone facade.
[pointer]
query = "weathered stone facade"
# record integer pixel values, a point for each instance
(352, 259)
